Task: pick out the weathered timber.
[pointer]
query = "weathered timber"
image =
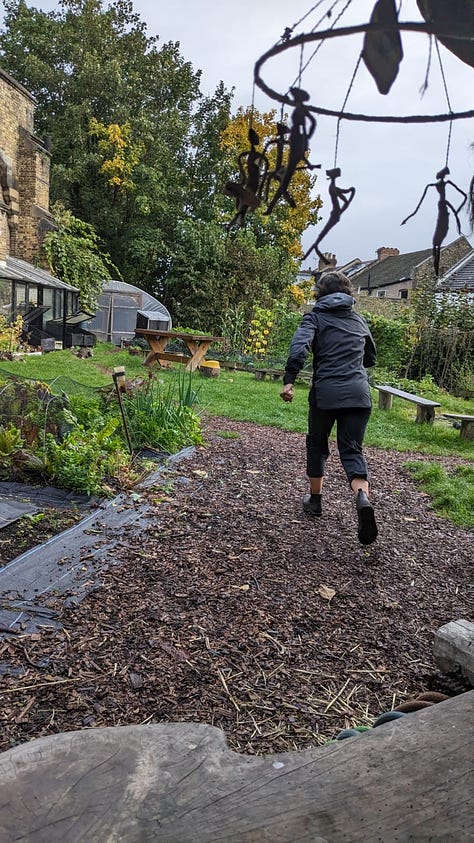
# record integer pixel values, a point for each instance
(453, 648)
(425, 408)
(467, 424)
(179, 783)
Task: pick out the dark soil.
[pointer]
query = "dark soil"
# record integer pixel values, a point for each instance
(216, 612)
(32, 530)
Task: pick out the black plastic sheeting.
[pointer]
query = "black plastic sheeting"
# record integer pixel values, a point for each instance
(70, 563)
(45, 495)
(12, 510)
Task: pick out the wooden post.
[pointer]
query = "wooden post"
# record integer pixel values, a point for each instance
(467, 429)
(424, 415)
(385, 400)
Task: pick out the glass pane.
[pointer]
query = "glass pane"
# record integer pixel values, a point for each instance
(20, 299)
(6, 298)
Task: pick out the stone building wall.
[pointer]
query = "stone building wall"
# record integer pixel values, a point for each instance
(24, 175)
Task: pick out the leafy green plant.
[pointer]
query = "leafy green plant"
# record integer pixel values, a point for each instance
(393, 341)
(10, 440)
(73, 253)
(84, 458)
(159, 416)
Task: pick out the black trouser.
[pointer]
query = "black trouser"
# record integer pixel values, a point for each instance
(351, 425)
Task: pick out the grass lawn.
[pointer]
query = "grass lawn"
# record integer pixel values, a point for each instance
(238, 395)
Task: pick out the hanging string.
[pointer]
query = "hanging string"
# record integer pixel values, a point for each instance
(447, 100)
(351, 83)
(424, 86)
(252, 107)
(300, 71)
(320, 43)
(290, 29)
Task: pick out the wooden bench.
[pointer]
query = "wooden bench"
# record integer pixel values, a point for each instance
(179, 783)
(277, 374)
(467, 424)
(271, 374)
(425, 409)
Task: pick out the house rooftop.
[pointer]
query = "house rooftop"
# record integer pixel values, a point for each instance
(460, 278)
(391, 270)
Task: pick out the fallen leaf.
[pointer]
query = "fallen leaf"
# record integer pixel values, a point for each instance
(200, 473)
(241, 587)
(326, 592)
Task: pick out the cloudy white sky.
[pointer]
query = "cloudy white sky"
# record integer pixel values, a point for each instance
(389, 165)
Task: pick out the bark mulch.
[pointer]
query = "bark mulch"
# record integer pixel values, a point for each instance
(233, 608)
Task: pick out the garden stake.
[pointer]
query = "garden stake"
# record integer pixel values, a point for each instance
(119, 381)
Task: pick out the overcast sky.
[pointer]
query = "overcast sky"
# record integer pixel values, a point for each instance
(389, 165)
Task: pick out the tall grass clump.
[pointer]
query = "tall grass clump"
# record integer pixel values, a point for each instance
(161, 415)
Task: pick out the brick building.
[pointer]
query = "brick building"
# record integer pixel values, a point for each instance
(25, 290)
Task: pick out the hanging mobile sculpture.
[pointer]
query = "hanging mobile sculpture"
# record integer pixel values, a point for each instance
(277, 172)
(442, 223)
(247, 192)
(303, 125)
(382, 54)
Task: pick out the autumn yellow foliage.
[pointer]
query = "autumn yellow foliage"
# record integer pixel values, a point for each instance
(284, 224)
(119, 152)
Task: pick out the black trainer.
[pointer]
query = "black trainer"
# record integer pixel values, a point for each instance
(367, 532)
(312, 505)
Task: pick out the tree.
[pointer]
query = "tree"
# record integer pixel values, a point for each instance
(285, 226)
(74, 255)
(87, 66)
(211, 273)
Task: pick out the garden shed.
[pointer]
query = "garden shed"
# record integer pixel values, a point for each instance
(123, 308)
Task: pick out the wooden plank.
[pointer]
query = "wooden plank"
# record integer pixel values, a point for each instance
(453, 648)
(409, 779)
(407, 396)
(181, 335)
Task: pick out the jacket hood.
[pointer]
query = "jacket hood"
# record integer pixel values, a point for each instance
(335, 301)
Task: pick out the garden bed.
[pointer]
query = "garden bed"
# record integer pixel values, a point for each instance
(219, 611)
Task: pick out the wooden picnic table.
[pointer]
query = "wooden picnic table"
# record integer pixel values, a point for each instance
(196, 344)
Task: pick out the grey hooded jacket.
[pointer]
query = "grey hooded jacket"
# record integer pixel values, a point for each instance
(342, 347)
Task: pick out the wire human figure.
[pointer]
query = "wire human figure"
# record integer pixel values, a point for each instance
(253, 166)
(341, 198)
(303, 125)
(442, 222)
(277, 173)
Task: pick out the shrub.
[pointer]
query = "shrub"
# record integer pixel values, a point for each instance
(392, 339)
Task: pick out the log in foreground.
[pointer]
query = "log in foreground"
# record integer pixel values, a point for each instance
(453, 648)
(179, 783)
